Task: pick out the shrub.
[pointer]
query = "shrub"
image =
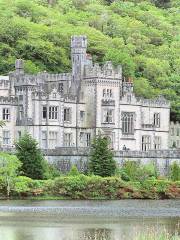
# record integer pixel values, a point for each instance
(133, 171)
(175, 172)
(9, 168)
(22, 184)
(74, 171)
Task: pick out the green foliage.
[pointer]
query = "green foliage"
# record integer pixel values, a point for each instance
(31, 157)
(9, 167)
(143, 36)
(133, 171)
(74, 171)
(22, 184)
(175, 172)
(101, 158)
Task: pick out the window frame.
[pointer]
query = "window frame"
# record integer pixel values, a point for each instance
(6, 114)
(128, 119)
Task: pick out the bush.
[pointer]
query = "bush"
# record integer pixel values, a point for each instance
(133, 171)
(74, 171)
(22, 184)
(175, 172)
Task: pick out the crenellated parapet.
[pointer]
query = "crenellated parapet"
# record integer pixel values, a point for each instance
(70, 98)
(49, 77)
(105, 71)
(8, 100)
(160, 101)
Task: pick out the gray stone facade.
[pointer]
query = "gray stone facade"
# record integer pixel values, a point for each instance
(174, 135)
(64, 158)
(69, 109)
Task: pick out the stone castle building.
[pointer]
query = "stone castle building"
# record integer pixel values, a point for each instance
(174, 135)
(69, 109)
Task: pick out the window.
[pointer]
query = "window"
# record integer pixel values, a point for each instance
(172, 131)
(157, 119)
(104, 92)
(82, 115)
(85, 139)
(157, 143)
(127, 123)
(53, 112)
(67, 114)
(88, 139)
(44, 112)
(20, 112)
(146, 143)
(6, 137)
(107, 93)
(44, 139)
(178, 131)
(52, 139)
(20, 97)
(61, 87)
(6, 114)
(108, 116)
(67, 139)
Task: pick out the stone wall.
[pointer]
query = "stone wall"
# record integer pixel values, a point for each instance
(64, 158)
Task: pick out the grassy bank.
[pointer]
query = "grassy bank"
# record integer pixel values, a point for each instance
(92, 187)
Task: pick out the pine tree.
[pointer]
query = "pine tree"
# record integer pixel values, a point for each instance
(30, 156)
(101, 158)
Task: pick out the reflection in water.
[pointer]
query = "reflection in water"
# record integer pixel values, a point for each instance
(46, 226)
(95, 234)
(123, 230)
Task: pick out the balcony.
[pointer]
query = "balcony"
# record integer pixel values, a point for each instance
(107, 102)
(24, 122)
(147, 125)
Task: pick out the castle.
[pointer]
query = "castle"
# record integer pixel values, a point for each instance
(69, 109)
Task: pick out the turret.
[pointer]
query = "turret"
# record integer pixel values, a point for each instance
(78, 56)
(19, 66)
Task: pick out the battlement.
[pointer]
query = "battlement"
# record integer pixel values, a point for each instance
(4, 82)
(25, 80)
(78, 42)
(160, 101)
(56, 77)
(105, 71)
(40, 78)
(8, 100)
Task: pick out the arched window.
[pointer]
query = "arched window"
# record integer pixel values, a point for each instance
(127, 123)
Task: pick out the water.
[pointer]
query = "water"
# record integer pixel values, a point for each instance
(87, 220)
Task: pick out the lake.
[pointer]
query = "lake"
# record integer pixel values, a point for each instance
(87, 220)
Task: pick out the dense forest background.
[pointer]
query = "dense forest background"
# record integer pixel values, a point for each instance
(143, 36)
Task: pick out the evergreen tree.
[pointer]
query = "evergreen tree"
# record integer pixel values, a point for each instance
(101, 158)
(30, 156)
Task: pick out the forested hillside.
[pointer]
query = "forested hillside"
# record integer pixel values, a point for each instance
(143, 36)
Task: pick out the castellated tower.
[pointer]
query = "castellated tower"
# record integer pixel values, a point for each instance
(78, 56)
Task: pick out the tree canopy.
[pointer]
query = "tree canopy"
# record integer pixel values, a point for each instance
(142, 35)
